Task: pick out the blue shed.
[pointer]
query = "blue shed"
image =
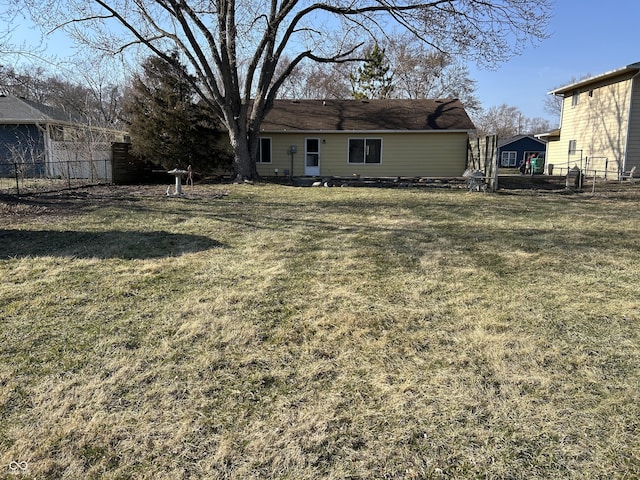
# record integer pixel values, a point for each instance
(22, 146)
(513, 151)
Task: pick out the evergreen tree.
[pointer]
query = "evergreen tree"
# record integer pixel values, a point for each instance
(166, 125)
(372, 79)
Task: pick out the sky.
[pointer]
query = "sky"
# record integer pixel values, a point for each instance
(586, 37)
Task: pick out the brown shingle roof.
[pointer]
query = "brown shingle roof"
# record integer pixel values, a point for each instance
(367, 115)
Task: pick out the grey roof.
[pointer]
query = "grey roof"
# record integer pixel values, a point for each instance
(19, 110)
(367, 115)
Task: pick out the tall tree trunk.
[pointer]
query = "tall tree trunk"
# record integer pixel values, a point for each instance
(244, 164)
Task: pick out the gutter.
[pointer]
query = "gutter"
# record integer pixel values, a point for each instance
(361, 132)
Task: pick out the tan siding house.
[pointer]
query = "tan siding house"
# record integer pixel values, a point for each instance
(600, 124)
(372, 138)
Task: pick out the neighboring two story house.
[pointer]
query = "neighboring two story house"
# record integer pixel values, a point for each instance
(600, 124)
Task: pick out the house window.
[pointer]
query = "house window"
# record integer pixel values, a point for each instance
(572, 146)
(575, 98)
(264, 154)
(365, 150)
(508, 159)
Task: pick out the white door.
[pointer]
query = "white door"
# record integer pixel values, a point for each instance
(312, 157)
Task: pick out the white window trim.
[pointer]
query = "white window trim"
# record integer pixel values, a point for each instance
(307, 151)
(511, 157)
(365, 143)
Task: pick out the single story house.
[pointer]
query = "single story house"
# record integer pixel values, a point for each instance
(41, 141)
(599, 125)
(513, 151)
(369, 138)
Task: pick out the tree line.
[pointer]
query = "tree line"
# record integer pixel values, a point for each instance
(170, 126)
(240, 54)
(235, 57)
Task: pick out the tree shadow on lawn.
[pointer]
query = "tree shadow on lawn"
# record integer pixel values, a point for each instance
(103, 245)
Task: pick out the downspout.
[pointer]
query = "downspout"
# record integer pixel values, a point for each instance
(626, 143)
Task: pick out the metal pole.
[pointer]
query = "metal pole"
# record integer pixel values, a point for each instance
(15, 168)
(580, 179)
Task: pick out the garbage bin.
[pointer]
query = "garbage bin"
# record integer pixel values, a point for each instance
(573, 178)
(537, 165)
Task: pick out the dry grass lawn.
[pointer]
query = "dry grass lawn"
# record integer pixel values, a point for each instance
(329, 333)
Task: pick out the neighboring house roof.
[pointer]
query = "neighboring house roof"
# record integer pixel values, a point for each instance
(508, 141)
(549, 136)
(17, 110)
(367, 115)
(629, 69)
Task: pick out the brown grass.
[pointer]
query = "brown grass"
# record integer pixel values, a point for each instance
(320, 333)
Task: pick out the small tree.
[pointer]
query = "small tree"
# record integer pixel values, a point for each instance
(372, 79)
(166, 125)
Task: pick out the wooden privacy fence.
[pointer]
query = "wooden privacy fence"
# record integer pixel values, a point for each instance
(483, 156)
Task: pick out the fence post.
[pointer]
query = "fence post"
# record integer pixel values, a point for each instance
(15, 169)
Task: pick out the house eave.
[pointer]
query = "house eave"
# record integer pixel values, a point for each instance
(44, 122)
(361, 132)
(547, 135)
(41, 121)
(569, 89)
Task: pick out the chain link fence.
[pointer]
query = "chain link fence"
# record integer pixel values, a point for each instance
(21, 178)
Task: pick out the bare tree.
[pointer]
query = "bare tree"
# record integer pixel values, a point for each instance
(537, 125)
(319, 81)
(553, 106)
(503, 120)
(423, 72)
(507, 121)
(241, 51)
(416, 72)
(90, 99)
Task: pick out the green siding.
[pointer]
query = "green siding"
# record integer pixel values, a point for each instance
(441, 154)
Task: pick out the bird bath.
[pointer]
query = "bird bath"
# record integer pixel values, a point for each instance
(178, 174)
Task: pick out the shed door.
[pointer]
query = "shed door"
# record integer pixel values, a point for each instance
(312, 156)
